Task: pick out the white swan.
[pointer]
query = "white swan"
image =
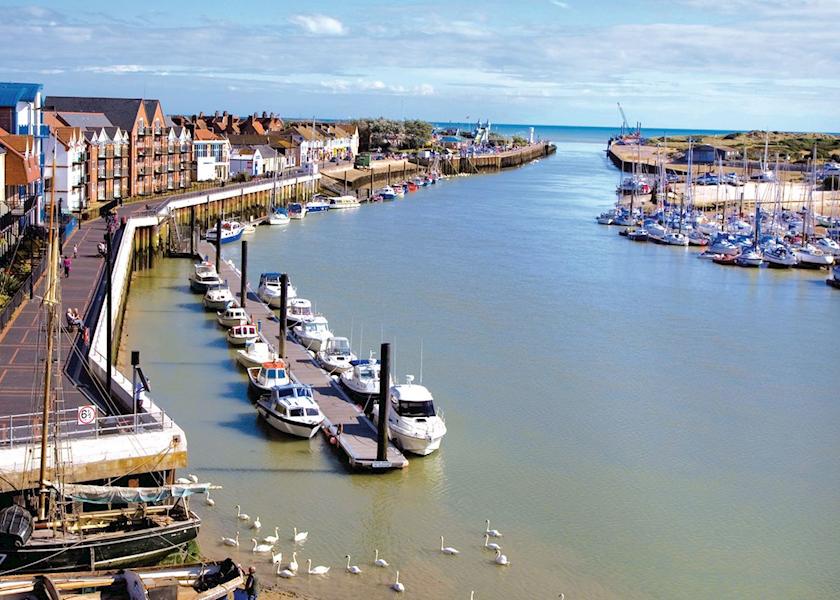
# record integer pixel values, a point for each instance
(241, 515)
(379, 562)
(397, 586)
(490, 545)
(293, 564)
(182, 481)
(208, 500)
(277, 558)
(491, 532)
(355, 570)
(261, 547)
(256, 524)
(501, 559)
(319, 570)
(192, 478)
(272, 539)
(472, 594)
(447, 549)
(231, 541)
(285, 573)
(300, 537)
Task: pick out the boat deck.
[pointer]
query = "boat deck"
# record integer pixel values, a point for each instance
(355, 435)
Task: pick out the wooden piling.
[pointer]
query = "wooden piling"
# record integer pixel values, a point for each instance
(384, 401)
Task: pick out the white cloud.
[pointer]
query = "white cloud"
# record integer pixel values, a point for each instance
(559, 3)
(319, 24)
(115, 69)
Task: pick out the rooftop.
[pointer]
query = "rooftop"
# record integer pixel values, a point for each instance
(11, 93)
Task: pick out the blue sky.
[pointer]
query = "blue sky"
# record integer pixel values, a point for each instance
(731, 64)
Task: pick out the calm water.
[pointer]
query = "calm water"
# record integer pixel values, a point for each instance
(638, 423)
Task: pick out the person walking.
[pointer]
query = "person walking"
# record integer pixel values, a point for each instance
(67, 266)
(252, 584)
(75, 251)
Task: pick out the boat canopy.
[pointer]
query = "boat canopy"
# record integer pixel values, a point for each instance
(106, 494)
(364, 361)
(15, 526)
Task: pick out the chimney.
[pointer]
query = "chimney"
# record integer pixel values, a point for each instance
(264, 115)
(225, 114)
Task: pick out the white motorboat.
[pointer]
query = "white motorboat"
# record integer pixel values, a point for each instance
(676, 238)
(828, 246)
(255, 354)
(387, 193)
(231, 231)
(292, 410)
(811, 257)
(232, 316)
(656, 233)
(341, 202)
(249, 228)
(413, 422)
(709, 228)
(318, 204)
(723, 245)
(779, 256)
(270, 289)
(203, 277)
(750, 257)
(335, 355)
(313, 334)
(278, 216)
(361, 382)
(299, 311)
(695, 238)
(296, 211)
(606, 218)
(239, 335)
(267, 376)
(218, 298)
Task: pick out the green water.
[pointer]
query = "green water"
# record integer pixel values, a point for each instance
(637, 422)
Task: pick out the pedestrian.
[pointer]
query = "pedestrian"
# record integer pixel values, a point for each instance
(75, 251)
(252, 584)
(67, 265)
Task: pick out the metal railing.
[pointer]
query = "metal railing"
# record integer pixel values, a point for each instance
(22, 294)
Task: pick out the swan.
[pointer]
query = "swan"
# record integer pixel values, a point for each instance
(208, 500)
(293, 564)
(276, 559)
(261, 547)
(285, 573)
(379, 562)
(300, 537)
(182, 481)
(355, 570)
(447, 549)
(490, 545)
(501, 559)
(272, 539)
(472, 594)
(319, 570)
(231, 541)
(192, 478)
(397, 586)
(256, 524)
(241, 515)
(562, 596)
(491, 532)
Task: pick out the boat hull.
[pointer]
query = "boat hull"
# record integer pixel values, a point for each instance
(363, 398)
(217, 305)
(835, 283)
(286, 425)
(240, 341)
(414, 445)
(333, 367)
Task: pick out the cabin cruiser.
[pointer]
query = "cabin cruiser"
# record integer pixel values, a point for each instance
(606, 218)
(232, 316)
(722, 244)
(749, 257)
(278, 216)
(204, 277)
(828, 246)
(676, 238)
(239, 335)
(255, 354)
(313, 334)
(361, 381)
(296, 210)
(340, 202)
(834, 280)
(637, 234)
(387, 193)
(413, 423)
(335, 355)
(318, 204)
(218, 298)
(811, 257)
(695, 238)
(292, 410)
(299, 311)
(779, 256)
(267, 376)
(231, 231)
(270, 289)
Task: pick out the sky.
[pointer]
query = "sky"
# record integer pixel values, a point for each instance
(729, 64)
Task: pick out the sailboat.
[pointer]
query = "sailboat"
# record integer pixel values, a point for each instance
(51, 532)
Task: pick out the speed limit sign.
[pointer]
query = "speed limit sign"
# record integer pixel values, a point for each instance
(87, 415)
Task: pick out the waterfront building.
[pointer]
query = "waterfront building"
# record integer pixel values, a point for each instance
(211, 156)
(246, 159)
(340, 141)
(108, 163)
(708, 154)
(66, 151)
(21, 181)
(308, 143)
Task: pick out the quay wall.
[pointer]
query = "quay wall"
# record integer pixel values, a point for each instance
(456, 165)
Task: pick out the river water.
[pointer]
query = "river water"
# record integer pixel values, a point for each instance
(638, 423)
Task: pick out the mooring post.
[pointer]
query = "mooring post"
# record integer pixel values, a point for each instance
(218, 244)
(108, 308)
(243, 291)
(384, 401)
(135, 362)
(284, 298)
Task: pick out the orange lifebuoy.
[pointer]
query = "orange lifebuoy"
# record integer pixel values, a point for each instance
(333, 440)
(86, 335)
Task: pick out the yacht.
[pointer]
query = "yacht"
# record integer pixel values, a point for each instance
(834, 280)
(313, 334)
(299, 311)
(296, 210)
(318, 204)
(231, 231)
(779, 256)
(335, 356)
(811, 257)
(695, 238)
(361, 381)
(722, 244)
(340, 202)
(637, 234)
(203, 277)
(267, 376)
(606, 218)
(255, 354)
(413, 423)
(828, 246)
(232, 316)
(657, 233)
(218, 298)
(292, 410)
(240, 335)
(676, 238)
(278, 216)
(750, 257)
(270, 289)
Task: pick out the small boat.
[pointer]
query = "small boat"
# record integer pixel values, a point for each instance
(709, 255)
(361, 381)
(232, 316)
(834, 280)
(695, 238)
(656, 233)
(249, 228)
(278, 216)
(314, 333)
(399, 191)
(779, 256)
(270, 289)
(413, 422)
(725, 259)
(335, 355)
(299, 311)
(676, 238)
(811, 257)
(828, 246)
(203, 277)
(239, 335)
(341, 202)
(218, 298)
(387, 193)
(296, 210)
(255, 354)
(750, 257)
(267, 376)
(637, 234)
(231, 231)
(318, 203)
(412, 187)
(723, 245)
(292, 410)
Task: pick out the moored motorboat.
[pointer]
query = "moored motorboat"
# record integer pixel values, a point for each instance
(218, 298)
(387, 193)
(270, 289)
(750, 257)
(695, 238)
(296, 211)
(231, 231)
(413, 422)
(278, 216)
(637, 234)
(292, 410)
(232, 316)
(299, 311)
(779, 256)
(828, 246)
(314, 333)
(203, 277)
(341, 202)
(318, 204)
(267, 376)
(361, 381)
(335, 356)
(834, 280)
(255, 354)
(811, 257)
(676, 238)
(239, 335)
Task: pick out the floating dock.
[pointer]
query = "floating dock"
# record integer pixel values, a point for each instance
(345, 423)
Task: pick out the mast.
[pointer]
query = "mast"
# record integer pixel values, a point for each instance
(50, 302)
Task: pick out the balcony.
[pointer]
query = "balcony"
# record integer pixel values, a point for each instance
(141, 152)
(158, 131)
(158, 170)
(100, 173)
(170, 167)
(117, 172)
(171, 149)
(80, 159)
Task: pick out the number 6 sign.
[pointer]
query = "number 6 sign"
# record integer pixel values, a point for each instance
(87, 415)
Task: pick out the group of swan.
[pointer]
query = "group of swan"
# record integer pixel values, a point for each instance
(500, 558)
(266, 544)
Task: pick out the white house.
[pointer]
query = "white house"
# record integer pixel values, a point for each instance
(211, 154)
(67, 146)
(246, 159)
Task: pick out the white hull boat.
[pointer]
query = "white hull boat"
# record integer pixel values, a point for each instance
(299, 311)
(296, 211)
(231, 231)
(413, 422)
(361, 382)
(291, 410)
(313, 334)
(255, 354)
(342, 202)
(218, 298)
(270, 290)
(240, 335)
(232, 316)
(810, 257)
(267, 376)
(779, 257)
(203, 277)
(336, 355)
(278, 217)
(675, 238)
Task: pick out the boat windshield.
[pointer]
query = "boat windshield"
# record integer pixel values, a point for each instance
(368, 373)
(295, 412)
(302, 310)
(340, 346)
(416, 409)
(275, 373)
(312, 412)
